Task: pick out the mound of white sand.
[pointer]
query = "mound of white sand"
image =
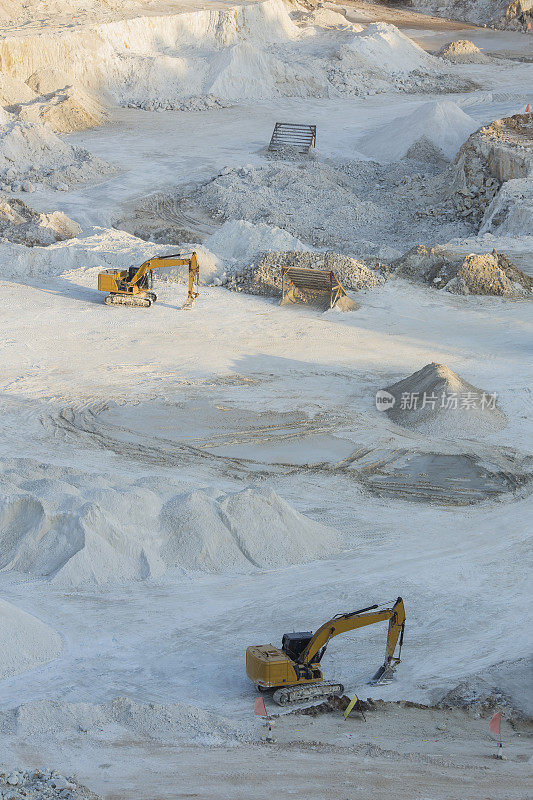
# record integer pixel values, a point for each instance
(122, 719)
(440, 123)
(243, 70)
(462, 51)
(383, 48)
(101, 247)
(106, 536)
(240, 240)
(66, 110)
(13, 90)
(249, 528)
(76, 541)
(25, 641)
(45, 80)
(438, 402)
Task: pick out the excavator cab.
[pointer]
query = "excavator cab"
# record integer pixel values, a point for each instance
(146, 282)
(294, 643)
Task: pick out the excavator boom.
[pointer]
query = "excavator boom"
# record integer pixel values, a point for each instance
(343, 623)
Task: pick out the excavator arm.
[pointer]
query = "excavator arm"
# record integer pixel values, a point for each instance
(343, 623)
(160, 262)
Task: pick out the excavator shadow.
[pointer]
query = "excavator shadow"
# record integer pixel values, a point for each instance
(60, 287)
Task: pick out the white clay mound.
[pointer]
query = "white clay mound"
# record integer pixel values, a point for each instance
(28, 145)
(441, 123)
(25, 641)
(437, 401)
(104, 248)
(122, 718)
(249, 528)
(240, 239)
(463, 51)
(13, 90)
(111, 536)
(383, 48)
(65, 111)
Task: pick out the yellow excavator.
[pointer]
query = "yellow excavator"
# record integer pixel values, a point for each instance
(294, 671)
(132, 286)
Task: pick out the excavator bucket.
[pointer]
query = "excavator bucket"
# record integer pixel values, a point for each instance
(188, 304)
(385, 674)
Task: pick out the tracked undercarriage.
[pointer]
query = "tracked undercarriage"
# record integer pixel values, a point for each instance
(310, 691)
(140, 300)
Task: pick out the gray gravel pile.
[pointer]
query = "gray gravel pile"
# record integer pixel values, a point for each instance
(479, 274)
(264, 277)
(356, 207)
(193, 103)
(41, 784)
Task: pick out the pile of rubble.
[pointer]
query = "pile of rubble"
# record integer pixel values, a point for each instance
(491, 156)
(500, 14)
(41, 785)
(480, 274)
(23, 225)
(264, 276)
(336, 703)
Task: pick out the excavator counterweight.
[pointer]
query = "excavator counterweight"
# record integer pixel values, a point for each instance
(294, 670)
(132, 286)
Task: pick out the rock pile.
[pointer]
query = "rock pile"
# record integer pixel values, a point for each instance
(21, 224)
(480, 274)
(193, 103)
(41, 784)
(500, 14)
(491, 156)
(32, 153)
(264, 277)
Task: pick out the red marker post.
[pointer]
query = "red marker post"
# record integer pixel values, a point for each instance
(495, 727)
(259, 707)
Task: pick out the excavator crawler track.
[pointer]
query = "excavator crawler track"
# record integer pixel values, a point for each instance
(128, 300)
(309, 691)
